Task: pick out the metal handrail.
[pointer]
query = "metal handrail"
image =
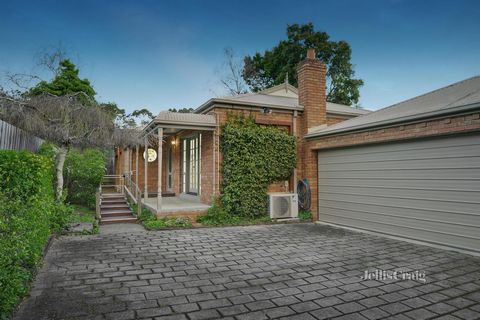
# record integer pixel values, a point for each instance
(118, 182)
(134, 191)
(118, 186)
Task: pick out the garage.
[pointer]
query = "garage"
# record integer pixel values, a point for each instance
(425, 189)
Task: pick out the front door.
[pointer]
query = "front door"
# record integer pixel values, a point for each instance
(191, 164)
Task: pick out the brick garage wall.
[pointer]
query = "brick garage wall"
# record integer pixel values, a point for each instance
(426, 128)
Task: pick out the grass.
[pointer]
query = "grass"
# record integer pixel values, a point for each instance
(83, 214)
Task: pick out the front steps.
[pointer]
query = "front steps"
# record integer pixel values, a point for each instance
(114, 209)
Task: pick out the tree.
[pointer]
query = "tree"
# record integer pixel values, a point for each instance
(270, 68)
(65, 82)
(142, 116)
(231, 76)
(64, 112)
(181, 110)
(123, 120)
(64, 121)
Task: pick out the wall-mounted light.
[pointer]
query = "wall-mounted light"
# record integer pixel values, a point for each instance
(266, 110)
(174, 142)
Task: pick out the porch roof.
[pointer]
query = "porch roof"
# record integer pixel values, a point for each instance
(182, 121)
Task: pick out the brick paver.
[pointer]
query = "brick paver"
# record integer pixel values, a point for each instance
(298, 271)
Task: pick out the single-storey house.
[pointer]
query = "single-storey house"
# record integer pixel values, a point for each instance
(410, 170)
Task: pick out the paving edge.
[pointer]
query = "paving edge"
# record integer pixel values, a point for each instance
(414, 241)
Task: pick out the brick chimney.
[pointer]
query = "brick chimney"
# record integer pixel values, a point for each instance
(311, 74)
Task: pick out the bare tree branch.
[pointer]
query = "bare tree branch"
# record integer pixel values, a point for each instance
(231, 75)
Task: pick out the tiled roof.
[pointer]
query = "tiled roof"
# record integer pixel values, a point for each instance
(185, 118)
(267, 99)
(453, 98)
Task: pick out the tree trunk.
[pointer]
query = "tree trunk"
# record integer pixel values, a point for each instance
(60, 161)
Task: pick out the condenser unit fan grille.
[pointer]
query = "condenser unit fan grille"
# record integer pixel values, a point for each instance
(281, 206)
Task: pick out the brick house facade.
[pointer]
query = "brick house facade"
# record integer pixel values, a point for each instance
(408, 170)
(296, 110)
(324, 129)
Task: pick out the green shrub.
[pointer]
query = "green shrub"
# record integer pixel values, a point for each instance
(83, 173)
(254, 156)
(167, 223)
(28, 215)
(47, 150)
(150, 221)
(304, 215)
(145, 215)
(217, 216)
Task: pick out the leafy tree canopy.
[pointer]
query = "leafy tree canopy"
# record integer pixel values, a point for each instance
(65, 82)
(181, 110)
(123, 120)
(264, 70)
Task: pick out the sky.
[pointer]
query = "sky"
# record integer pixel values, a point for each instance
(167, 54)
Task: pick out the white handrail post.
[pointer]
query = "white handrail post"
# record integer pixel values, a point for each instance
(159, 182)
(145, 160)
(136, 171)
(98, 203)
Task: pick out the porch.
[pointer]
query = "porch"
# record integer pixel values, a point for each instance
(177, 204)
(175, 171)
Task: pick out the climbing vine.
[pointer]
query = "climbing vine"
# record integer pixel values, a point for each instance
(254, 156)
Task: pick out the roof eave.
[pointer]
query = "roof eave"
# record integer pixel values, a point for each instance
(229, 102)
(444, 112)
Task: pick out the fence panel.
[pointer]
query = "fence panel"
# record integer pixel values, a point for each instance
(13, 138)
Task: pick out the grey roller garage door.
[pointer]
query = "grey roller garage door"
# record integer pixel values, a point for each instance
(426, 189)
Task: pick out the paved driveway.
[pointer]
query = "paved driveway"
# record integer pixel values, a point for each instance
(300, 271)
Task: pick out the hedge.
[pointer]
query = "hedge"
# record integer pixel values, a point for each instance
(83, 173)
(254, 156)
(28, 215)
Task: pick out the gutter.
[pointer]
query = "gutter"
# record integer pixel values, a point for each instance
(233, 103)
(389, 122)
(213, 101)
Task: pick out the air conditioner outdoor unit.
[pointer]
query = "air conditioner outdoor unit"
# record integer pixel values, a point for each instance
(283, 205)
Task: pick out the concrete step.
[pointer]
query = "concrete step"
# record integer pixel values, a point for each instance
(119, 205)
(113, 197)
(113, 200)
(123, 210)
(115, 214)
(112, 220)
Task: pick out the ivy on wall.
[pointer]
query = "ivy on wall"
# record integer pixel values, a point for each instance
(254, 156)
